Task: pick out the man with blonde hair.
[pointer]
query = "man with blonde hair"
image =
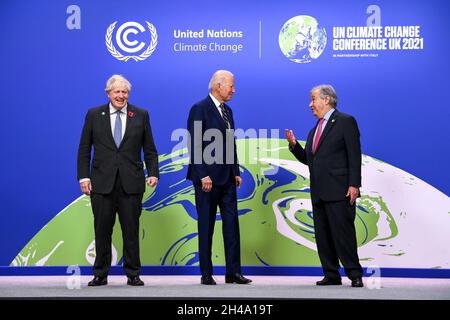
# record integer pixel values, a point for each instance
(114, 178)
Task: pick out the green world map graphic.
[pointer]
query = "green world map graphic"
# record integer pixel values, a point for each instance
(275, 215)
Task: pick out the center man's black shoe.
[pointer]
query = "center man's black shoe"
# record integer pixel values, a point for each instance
(357, 283)
(329, 282)
(135, 281)
(208, 280)
(98, 281)
(236, 278)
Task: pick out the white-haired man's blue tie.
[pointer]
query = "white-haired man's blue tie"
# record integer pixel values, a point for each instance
(118, 129)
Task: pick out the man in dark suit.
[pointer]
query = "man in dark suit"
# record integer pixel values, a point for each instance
(115, 178)
(214, 171)
(333, 155)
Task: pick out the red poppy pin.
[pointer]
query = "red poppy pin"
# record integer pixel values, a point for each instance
(131, 114)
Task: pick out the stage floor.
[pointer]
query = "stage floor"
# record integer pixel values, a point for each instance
(263, 287)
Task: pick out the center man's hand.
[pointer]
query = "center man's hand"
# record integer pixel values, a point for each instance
(206, 184)
(152, 181)
(238, 181)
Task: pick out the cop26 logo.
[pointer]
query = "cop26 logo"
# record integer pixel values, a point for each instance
(130, 47)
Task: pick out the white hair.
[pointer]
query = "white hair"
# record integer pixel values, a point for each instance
(218, 77)
(327, 90)
(117, 79)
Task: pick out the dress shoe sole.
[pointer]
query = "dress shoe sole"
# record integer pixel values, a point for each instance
(97, 284)
(329, 284)
(232, 281)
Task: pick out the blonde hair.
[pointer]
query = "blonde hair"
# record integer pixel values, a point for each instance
(115, 80)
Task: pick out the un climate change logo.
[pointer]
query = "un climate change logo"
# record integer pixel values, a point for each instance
(301, 40)
(124, 43)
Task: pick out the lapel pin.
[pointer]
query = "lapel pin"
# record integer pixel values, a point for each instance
(103, 113)
(332, 121)
(131, 114)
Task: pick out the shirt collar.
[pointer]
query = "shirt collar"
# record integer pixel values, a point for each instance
(216, 102)
(328, 114)
(113, 110)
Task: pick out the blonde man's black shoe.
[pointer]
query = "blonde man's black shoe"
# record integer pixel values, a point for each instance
(98, 281)
(329, 282)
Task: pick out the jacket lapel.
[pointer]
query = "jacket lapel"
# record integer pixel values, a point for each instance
(216, 113)
(131, 112)
(106, 121)
(328, 127)
(310, 139)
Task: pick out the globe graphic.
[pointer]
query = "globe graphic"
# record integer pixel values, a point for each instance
(301, 40)
(395, 225)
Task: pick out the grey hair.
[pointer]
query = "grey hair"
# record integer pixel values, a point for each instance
(218, 77)
(327, 90)
(115, 80)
